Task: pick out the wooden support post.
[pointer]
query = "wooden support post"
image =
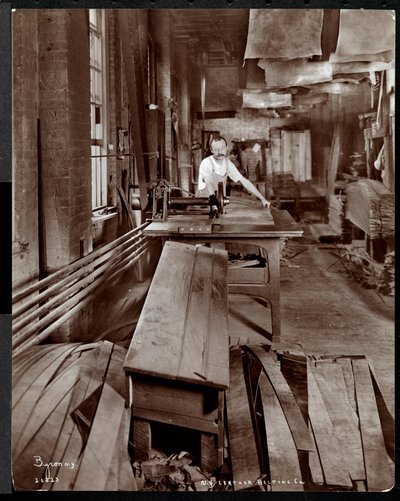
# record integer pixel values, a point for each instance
(141, 439)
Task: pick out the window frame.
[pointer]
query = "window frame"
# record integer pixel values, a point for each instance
(98, 105)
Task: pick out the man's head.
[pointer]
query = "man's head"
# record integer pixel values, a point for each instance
(218, 147)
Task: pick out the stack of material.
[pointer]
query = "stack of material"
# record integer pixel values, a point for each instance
(319, 423)
(386, 279)
(296, 146)
(370, 206)
(291, 153)
(70, 426)
(284, 185)
(336, 213)
(387, 215)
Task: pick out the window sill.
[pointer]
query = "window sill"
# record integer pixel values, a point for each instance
(103, 215)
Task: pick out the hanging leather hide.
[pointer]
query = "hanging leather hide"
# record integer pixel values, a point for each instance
(365, 32)
(296, 72)
(284, 33)
(262, 100)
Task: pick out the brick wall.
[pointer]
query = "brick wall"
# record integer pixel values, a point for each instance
(24, 148)
(64, 112)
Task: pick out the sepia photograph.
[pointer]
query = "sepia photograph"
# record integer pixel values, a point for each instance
(203, 254)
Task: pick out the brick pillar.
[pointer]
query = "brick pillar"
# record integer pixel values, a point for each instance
(64, 111)
(25, 261)
(161, 32)
(184, 128)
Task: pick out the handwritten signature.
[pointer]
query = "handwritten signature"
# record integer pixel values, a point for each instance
(39, 463)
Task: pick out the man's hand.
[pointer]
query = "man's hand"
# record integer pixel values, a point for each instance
(265, 203)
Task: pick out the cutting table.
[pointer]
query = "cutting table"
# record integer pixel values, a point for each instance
(244, 221)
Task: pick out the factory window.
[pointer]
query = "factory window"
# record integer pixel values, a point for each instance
(98, 111)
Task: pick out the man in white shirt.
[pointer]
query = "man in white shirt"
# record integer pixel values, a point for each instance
(217, 168)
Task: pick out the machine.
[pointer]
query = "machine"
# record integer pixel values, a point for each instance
(165, 203)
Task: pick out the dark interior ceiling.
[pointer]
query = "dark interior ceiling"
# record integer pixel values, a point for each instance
(218, 36)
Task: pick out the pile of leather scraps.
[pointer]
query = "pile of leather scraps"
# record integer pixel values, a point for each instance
(173, 473)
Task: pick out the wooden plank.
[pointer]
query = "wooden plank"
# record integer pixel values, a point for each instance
(276, 154)
(296, 421)
(379, 468)
(92, 382)
(164, 331)
(112, 473)
(217, 358)
(34, 380)
(171, 418)
(125, 475)
(22, 362)
(333, 373)
(33, 417)
(348, 376)
(332, 460)
(294, 371)
(345, 430)
(387, 420)
(25, 405)
(205, 350)
(297, 155)
(244, 457)
(103, 435)
(141, 439)
(208, 452)
(86, 364)
(160, 324)
(287, 151)
(39, 449)
(314, 463)
(235, 213)
(181, 400)
(284, 467)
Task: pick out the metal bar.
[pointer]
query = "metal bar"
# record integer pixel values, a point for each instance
(45, 308)
(72, 308)
(76, 275)
(77, 264)
(74, 300)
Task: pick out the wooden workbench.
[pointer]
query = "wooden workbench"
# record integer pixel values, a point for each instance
(178, 360)
(246, 222)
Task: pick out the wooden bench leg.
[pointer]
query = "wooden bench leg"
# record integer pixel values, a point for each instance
(141, 439)
(208, 452)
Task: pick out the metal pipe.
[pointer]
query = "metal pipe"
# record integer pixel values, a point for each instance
(75, 265)
(67, 293)
(188, 201)
(73, 305)
(68, 281)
